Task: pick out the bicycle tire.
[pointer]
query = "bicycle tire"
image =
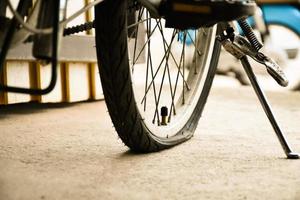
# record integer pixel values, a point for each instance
(116, 79)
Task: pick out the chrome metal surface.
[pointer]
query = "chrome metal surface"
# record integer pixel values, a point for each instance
(267, 108)
(240, 47)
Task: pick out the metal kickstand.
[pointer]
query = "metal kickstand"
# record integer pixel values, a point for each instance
(242, 47)
(267, 108)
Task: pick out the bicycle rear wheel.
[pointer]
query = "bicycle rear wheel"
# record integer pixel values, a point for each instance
(155, 80)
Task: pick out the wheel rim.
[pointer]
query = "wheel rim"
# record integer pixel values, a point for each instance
(169, 68)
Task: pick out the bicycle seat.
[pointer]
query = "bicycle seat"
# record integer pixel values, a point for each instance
(183, 14)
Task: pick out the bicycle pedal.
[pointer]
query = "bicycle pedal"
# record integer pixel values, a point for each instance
(183, 14)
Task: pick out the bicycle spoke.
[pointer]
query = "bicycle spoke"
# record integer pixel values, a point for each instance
(149, 63)
(178, 67)
(167, 53)
(159, 95)
(176, 83)
(136, 38)
(196, 57)
(140, 53)
(159, 66)
(168, 69)
(147, 72)
(139, 21)
(155, 97)
(183, 66)
(197, 50)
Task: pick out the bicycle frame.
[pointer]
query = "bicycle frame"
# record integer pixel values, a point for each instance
(46, 47)
(54, 48)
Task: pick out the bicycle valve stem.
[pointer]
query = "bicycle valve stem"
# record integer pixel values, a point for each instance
(164, 115)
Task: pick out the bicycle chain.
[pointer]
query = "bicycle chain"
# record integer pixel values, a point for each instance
(132, 5)
(79, 28)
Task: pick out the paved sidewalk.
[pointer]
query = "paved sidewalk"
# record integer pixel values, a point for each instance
(65, 151)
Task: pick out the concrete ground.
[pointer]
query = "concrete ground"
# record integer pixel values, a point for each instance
(71, 151)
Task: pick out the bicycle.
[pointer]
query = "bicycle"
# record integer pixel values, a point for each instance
(165, 109)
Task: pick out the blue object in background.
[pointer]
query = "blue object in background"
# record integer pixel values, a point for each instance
(286, 15)
(281, 14)
(190, 36)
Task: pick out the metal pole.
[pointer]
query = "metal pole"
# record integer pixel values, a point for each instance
(267, 108)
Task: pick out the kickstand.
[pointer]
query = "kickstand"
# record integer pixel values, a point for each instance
(267, 108)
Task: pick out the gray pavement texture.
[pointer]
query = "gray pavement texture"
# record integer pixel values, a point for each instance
(71, 151)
